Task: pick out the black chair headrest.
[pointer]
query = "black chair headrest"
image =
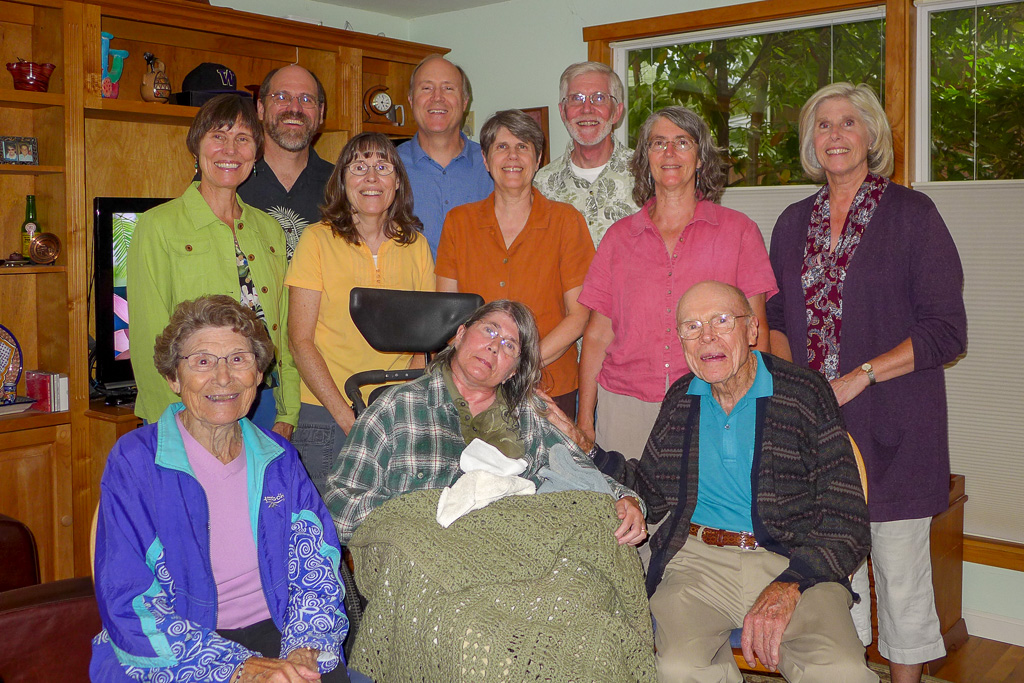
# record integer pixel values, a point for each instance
(397, 320)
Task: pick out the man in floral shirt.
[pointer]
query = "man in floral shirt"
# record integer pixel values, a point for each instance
(593, 174)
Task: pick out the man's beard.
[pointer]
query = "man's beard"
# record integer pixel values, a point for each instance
(288, 138)
(604, 130)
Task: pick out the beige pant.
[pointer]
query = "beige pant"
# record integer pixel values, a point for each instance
(623, 423)
(705, 593)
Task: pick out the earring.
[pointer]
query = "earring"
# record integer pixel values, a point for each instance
(197, 163)
(254, 170)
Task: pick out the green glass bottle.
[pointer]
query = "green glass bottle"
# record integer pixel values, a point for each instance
(29, 227)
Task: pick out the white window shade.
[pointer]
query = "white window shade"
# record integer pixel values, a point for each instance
(985, 389)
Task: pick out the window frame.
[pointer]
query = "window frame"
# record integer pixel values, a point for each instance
(621, 49)
(899, 72)
(922, 80)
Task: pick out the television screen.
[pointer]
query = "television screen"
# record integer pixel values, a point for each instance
(115, 220)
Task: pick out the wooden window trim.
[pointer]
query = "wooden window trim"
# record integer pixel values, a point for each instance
(899, 32)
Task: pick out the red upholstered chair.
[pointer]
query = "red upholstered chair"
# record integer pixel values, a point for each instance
(46, 629)
(20, 565)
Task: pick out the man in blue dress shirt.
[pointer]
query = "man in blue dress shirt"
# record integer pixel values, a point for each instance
(446, 169)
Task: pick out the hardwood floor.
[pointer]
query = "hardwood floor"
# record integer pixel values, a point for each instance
(983, 661)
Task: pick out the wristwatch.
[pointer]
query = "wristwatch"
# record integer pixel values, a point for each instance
(870, 372)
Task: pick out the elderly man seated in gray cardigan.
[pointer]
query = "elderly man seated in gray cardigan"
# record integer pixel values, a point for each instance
(752, 475)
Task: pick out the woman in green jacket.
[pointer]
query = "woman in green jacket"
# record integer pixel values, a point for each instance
(208, 241)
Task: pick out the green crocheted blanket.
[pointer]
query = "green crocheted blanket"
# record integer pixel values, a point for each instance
(530, 588)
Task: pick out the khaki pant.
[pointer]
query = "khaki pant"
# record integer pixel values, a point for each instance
(623, 423)
(706, 592)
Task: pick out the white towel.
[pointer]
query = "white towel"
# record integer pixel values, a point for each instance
(490, 475)
(480, 455)
(478, 489)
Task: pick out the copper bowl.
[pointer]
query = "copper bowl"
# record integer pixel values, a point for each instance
(31, 75)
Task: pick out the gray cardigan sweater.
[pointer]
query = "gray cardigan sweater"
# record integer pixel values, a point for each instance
(807, 504)
(905, 280)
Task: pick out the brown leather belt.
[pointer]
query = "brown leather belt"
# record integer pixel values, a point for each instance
(722, 538)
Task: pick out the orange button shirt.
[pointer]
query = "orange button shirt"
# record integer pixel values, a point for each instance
(548, 258)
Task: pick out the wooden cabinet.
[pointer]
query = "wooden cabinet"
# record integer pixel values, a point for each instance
(90, 146)
(35, 488)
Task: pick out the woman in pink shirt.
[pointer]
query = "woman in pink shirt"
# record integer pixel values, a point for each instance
(681, 236)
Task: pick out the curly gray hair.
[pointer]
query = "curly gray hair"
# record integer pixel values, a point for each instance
(215, 310)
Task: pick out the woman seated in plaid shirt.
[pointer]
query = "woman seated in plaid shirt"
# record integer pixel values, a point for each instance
(483, 386)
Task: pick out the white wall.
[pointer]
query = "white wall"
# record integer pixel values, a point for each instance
(515, 51)
(324, 13)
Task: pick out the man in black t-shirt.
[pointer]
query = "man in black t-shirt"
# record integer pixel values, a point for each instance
(289, 181)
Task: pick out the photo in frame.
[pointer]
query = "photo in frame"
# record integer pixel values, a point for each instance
(540, 115)
(19, 150)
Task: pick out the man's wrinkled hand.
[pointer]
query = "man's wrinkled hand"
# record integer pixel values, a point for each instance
(767, 621)
(633, 529)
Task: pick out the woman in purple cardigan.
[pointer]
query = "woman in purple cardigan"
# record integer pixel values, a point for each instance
(870, 295)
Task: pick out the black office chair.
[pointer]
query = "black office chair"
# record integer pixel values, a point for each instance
(397, 321)
(400, 321)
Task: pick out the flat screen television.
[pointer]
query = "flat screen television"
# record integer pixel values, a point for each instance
(113, 226)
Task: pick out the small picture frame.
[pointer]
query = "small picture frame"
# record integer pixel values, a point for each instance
(19, 150)
(540, 115)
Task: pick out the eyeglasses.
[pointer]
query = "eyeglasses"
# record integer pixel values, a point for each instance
(362, 168)
(681, 144)
(207, 362)
(306, 100)
(578, 99)
(509, 346)
(720, 324)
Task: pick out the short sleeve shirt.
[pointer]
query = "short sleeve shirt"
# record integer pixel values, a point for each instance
(330, 265)
(602, 202)
(724, 493)
(637, 284)
(548, 258)
(437, 189)
(294, 209)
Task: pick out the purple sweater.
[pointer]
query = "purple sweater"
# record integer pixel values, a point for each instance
(905, 280)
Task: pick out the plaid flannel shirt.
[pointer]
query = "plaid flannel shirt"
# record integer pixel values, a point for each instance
(409, 439)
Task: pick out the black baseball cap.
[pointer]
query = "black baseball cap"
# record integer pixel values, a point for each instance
(205, 81)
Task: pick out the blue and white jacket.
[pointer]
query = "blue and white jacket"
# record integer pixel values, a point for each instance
(154, 581)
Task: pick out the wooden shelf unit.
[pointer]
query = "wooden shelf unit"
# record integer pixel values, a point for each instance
(89, 146)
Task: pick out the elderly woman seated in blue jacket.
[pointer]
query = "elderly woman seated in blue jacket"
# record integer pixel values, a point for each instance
(216, 559)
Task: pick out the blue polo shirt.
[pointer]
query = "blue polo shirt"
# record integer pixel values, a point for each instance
(437, 189)
(726, 448)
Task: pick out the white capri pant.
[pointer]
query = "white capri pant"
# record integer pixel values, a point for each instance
(908, 623)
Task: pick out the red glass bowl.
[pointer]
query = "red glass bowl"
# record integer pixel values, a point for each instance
(31, 75)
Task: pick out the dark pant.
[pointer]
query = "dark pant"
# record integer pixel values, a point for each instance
(263, 637)
(567, 403)
(318, 439)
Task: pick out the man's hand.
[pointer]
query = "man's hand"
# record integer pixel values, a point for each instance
(284, 429)
(766, 622)
(562, 422)
(633, 529)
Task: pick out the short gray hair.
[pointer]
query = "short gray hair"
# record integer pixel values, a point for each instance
(520, 387)
(711, 176)
(881, 159)
(215, 310)
(521, 125)
(580, 68)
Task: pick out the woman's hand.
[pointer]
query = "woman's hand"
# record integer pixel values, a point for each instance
(269, 670)
(633, 529)
(849, 386)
